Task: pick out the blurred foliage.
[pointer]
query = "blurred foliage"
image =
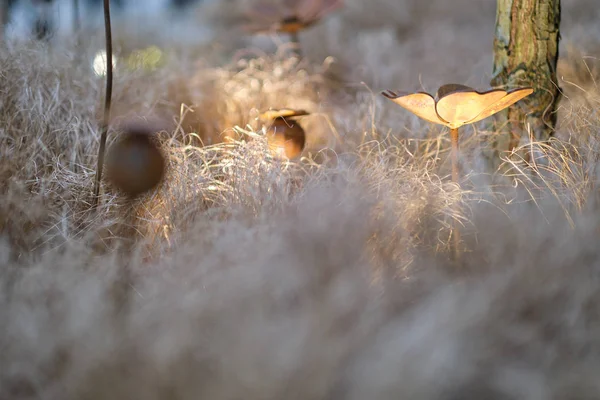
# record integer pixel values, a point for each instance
(149, 58)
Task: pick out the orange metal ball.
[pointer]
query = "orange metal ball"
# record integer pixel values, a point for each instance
(286, 137)
(135, 163)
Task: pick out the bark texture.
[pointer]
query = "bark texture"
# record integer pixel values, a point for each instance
(525, 54)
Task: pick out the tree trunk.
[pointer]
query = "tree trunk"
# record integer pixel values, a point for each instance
(4, 15)
(76, 18)
(525, 54)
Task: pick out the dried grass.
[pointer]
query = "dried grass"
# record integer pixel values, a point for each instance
(328, 277)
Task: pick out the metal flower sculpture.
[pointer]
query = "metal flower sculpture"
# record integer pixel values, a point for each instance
(290, 17)
(285, 136)
(456, 105)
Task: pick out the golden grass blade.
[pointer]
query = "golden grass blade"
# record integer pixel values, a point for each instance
(511, 98)
(458, 108)
(421, 104)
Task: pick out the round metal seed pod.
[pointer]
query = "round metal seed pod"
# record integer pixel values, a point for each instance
(135, 164)
(286, 137)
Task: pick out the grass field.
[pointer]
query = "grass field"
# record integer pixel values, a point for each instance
(327, 277)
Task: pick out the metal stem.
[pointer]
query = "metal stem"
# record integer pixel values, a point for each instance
(107, 101)
(455, 179)
(295, 40)
(454, 141)
(76, 22)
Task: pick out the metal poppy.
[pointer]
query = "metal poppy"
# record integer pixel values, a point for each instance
(290, 16)
(457, 105)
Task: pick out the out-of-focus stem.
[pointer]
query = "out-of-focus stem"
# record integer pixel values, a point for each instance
(295, 40)
(107, 101)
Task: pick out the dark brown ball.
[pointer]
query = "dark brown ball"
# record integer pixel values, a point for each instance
(286, 136)
(135, 163)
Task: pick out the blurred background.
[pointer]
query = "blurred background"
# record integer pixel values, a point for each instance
(402, 43)
(364, 46)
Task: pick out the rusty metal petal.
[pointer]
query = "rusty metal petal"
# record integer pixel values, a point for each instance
(509, 99)
(421, 104)
(452, 87)
(459, 108)
(270, 115)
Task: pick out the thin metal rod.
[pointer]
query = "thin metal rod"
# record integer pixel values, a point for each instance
(455, 179)
(107, 101)
(77, 30)
(454, 141)
(4, 16)
(295, 40)
(76, 21)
